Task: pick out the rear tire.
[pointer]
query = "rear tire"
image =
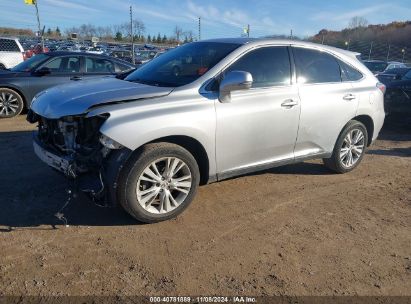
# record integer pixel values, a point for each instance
(158, 182)
(349, 148)
(11, 103)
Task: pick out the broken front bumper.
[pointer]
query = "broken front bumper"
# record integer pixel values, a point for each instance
(55, 161)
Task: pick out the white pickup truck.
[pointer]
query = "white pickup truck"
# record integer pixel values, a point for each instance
(11, 52)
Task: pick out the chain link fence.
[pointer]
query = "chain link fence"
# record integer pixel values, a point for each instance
(372, 50)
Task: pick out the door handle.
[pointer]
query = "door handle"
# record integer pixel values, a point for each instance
(76, 78)
(349, 97)
(289, 103)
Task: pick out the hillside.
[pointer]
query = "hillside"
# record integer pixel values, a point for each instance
(391, 40)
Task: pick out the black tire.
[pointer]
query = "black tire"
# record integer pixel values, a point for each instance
(11, 103)
(133, 169)
(335, 163)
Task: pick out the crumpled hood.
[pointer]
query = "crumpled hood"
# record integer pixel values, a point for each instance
(77, 97)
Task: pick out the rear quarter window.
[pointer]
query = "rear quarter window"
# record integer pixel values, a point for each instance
(348, 73)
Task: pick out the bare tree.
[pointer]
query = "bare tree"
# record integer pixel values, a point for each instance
(178, 32)
(357, 22)
(138, 27)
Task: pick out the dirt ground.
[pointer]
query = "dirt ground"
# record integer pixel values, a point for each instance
(295, 230)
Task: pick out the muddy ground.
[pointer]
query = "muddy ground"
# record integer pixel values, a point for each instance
(296, 230)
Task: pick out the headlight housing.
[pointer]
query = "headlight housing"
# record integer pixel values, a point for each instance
(109, 143)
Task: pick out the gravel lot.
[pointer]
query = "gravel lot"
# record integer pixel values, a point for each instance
(296, 230)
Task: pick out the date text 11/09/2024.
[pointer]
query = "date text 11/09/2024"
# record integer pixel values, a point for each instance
(205, 299)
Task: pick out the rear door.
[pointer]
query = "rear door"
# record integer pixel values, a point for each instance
(327, 102)
(63, 69)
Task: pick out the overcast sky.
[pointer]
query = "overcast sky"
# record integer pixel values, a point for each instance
(220, 18)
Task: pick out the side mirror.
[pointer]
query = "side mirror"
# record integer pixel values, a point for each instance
(398, 77)
(234, 81)
(43, 71)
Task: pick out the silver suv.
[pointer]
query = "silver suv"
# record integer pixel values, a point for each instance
(204, 112)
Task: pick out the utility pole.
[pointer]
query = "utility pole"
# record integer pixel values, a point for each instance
(132, 36)
(248, 30)
(199, 28)
(322, 40)
(369, 55)
(388, 53)
(403, 54)
(38, 24)
(291, 34)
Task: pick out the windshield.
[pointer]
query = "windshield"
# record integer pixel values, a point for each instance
(28, 65)
(376, 66)
(182, 65)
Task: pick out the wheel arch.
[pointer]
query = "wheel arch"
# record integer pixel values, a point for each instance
(369, 125)
(195, 148)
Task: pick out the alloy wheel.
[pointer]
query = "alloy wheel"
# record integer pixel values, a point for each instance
(163, 185)
(9, 104)
(352, 148)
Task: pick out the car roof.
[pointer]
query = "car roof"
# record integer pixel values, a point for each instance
(68, 53)
(262, 41)
(400, 71)
(376, 61)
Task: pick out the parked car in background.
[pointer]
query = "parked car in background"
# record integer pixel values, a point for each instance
(122, 54)
(11, 53)
(20, 84)
(144, 56)
(380, 66)
(37, 49)
(149, 140)
(398, 96)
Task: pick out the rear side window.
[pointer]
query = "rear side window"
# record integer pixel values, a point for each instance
(348, 72)
(269, 66)
(98, 65)
(316, 67)
(7, 45)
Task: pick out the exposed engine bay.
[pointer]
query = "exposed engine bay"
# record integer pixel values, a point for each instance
(74, 146)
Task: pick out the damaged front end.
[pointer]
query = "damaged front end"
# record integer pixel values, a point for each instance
(74, 146)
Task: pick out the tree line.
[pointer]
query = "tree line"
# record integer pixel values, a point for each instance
(122, 32)
(396, 33)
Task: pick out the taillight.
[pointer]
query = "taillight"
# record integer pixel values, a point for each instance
(382, 87)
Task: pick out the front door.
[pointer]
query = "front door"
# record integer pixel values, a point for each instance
(259, 126)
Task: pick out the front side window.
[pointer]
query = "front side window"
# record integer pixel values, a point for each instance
(183, 64)
(315, 66)
(64, 65)
(269, 66)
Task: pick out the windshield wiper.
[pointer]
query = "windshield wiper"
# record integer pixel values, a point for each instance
(153, 82)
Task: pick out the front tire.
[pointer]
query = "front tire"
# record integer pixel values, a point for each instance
(11, 103)
(158, 182)
(349, 148)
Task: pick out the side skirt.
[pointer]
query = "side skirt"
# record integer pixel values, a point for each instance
(262, 167)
